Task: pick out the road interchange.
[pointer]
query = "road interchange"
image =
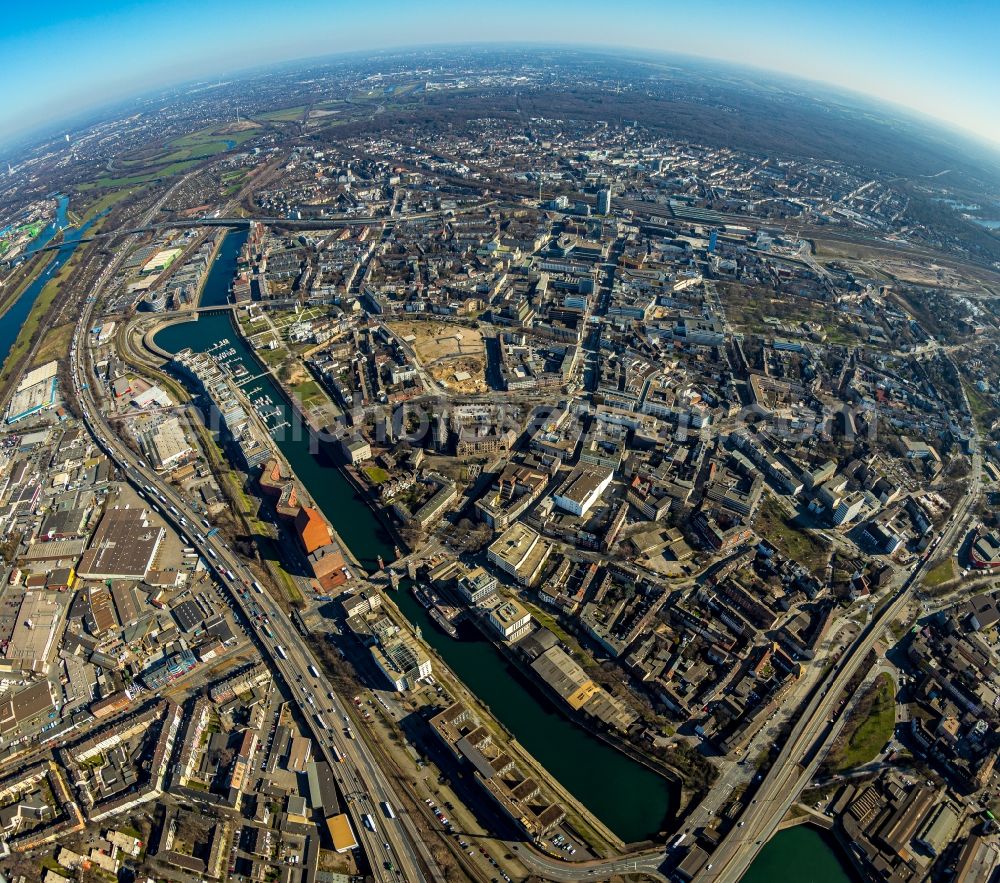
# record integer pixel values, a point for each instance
(391, 845)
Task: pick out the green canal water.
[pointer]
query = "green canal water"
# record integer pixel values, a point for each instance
(801, 854)
(633, 801)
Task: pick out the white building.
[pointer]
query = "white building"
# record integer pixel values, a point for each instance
(402, 661)
(849, 508)
(520, 552)
(582, 489)
(509, 619)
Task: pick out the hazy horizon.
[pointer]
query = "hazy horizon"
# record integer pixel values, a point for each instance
(160, 46)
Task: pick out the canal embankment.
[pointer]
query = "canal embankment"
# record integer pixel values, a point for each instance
(628, 798)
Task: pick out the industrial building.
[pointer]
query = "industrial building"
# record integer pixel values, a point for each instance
(124, 546)
(35, 392)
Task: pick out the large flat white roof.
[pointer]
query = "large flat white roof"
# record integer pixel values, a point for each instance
(38, 375)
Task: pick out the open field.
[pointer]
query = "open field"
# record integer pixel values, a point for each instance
(796, 545)
(105, 202)
(942, 572)
(132, 180)
(199, 145)
(54, 345)
(917, 265)
(376, 474)
(175, 157)
(446, 350)
(983, 411)
(748, 307)
(287, 114)
(870, 729)
(310, 394)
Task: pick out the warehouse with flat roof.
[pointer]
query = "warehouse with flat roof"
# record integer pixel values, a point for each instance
(35, 392)
(582, 488)
(166, 444)
(341, 833)
(124, 546)
(32, 644)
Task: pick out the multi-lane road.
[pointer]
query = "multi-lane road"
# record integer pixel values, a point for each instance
(391, 844)
(811, 735)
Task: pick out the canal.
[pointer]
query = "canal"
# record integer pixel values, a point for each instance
(13, 319)
(803, 854)
(220, 275)
(630, 799)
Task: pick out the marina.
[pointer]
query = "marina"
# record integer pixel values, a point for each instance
(632, 800)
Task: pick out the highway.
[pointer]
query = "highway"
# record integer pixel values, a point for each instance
(813, 732)
(391, 845)
(334, 222)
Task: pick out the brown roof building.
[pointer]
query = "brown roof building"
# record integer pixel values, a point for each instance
(312, 530)
(328, 566)
(124, 546)
(28, 708)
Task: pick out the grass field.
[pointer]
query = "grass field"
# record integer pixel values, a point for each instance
(284, 115)
(376, 474)
(309, 393)
(232, 182)
(873, 729)
(54, 345)
(983, 411)
(132, 180)
(203, 144)
(795, 544)
(103, 203)
(942, 572)
(176, 157)
(748, 308)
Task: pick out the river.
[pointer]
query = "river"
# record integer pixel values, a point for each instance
(58, 223)
(13, 319)
(630, 799)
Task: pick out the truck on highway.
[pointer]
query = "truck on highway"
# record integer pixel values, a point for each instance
(387, 809)
(257, 588)
(679, 841)
(212, 532)
(369, 823)
(337, 755)
(313, 672)
(280, 651)
(320, 722)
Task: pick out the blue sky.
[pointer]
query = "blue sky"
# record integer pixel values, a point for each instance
(938, 58)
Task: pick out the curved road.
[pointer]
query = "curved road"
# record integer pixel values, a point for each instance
(391, 845)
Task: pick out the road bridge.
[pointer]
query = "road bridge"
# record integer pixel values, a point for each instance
(393, 847)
